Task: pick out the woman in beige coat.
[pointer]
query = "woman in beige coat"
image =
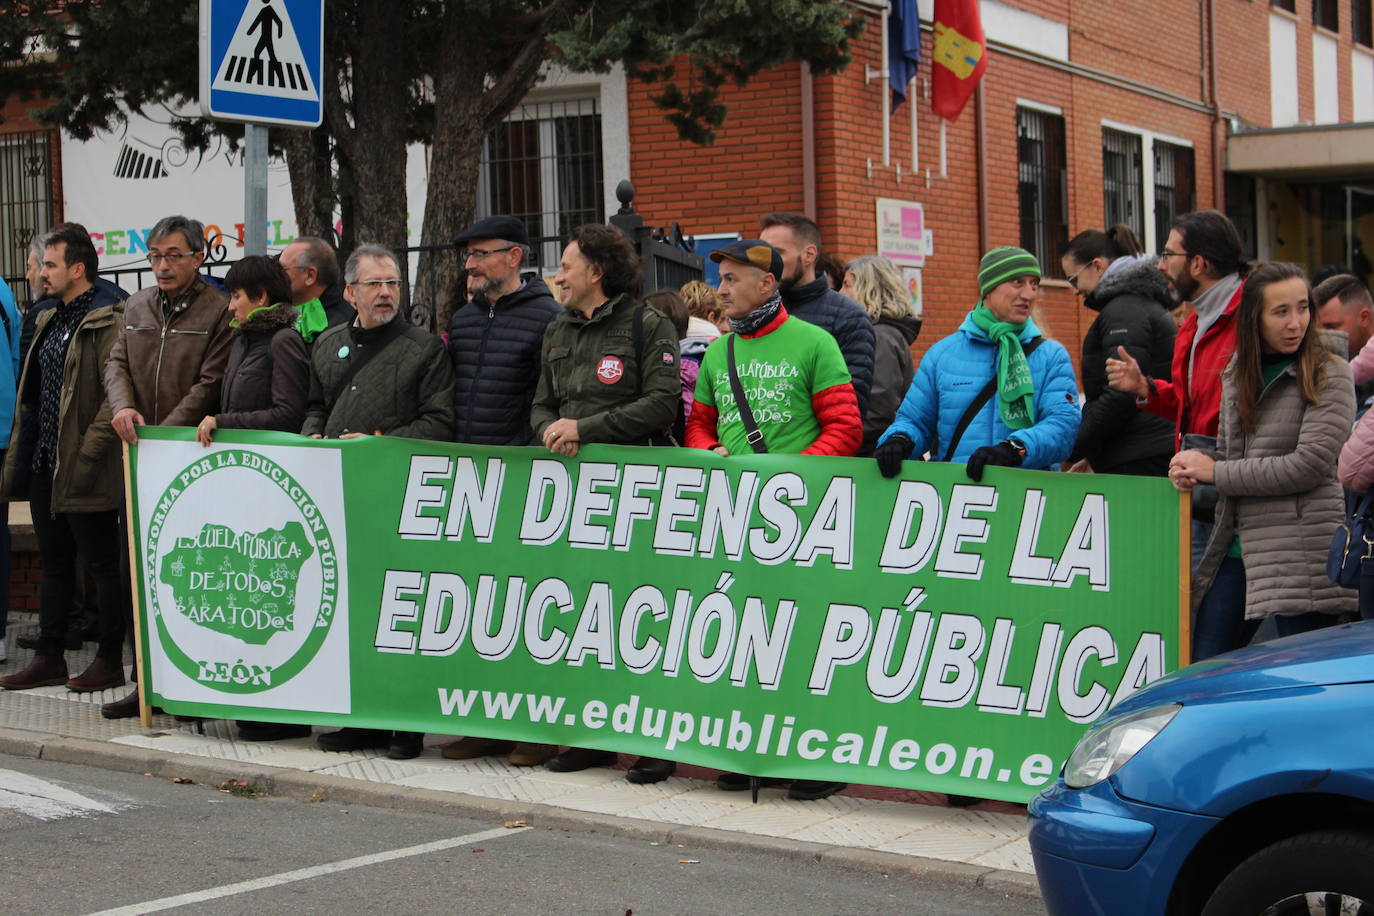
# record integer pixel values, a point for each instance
(1288, 403)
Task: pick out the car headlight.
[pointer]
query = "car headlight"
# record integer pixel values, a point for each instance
(1106, 748)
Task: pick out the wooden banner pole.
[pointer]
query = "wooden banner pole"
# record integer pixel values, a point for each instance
(145, 712)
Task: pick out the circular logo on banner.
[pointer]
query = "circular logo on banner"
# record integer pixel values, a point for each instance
(610, 369)
(243, 603)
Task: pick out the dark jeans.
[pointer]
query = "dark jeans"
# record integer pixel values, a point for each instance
(61, 535)
(1367, 590)
(1293, 624)
(1220, 623)
(4, 562)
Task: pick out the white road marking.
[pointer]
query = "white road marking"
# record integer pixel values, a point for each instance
(304, 874)
(44, 800)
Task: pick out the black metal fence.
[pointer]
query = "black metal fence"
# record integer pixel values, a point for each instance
(666, 255)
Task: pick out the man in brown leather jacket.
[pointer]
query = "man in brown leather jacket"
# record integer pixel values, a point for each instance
(168, 363)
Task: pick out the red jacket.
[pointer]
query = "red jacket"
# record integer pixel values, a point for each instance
(1194, 404)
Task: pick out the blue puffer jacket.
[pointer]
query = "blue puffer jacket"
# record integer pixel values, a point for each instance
(950, 376)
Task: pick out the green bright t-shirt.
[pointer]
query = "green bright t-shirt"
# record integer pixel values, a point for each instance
(779, 372)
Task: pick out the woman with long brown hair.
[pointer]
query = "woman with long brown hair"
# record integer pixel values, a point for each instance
(1287, 406)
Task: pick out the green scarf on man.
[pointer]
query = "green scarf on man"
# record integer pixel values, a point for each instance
(313, 319)
(1015, 387)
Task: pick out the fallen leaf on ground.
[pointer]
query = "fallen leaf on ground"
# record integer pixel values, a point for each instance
(319, 795)
(183, 780)
(519, 823)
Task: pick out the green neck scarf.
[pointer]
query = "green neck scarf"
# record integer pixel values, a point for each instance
(1014, 385)
(313, 319)
(235, 323)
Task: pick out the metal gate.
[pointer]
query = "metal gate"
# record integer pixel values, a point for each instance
(29, 198)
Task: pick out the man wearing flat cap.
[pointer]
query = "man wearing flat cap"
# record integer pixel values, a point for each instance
(494, 337)
(798, 395)
(995, 392)
(494, 340)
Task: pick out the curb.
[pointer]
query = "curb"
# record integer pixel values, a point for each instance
(317, 788)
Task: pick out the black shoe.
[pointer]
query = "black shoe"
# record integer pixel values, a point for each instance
(813, 789)
(962, 801)
(354, 739)
(405, 745)
(576, 759)
(648, 770)
(271, 731)
(738, 782)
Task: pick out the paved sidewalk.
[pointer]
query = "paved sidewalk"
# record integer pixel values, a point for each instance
(879, 829)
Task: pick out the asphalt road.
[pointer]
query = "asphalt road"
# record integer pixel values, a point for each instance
(84, 840)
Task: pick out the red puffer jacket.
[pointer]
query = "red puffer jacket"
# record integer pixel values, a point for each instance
(1194, 404)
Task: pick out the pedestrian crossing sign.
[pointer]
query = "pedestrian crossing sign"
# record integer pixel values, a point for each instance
(262, 61)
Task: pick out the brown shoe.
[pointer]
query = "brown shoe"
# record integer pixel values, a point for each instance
(43, 671)
(101, 674)
(472, 748)
(575, 759)
(526, 754)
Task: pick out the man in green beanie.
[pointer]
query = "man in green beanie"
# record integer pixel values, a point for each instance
(995, 392)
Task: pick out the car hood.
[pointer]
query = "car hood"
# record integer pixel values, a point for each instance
(1334, 655)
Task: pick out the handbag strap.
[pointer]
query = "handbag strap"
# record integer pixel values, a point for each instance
(746, 416)
(981, 399)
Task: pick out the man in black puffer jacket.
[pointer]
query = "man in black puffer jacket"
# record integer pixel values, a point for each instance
(494, 338)
(810, 297)
(1132, 300)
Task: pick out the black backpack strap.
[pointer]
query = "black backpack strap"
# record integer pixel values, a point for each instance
(746, 416)
(982, 398)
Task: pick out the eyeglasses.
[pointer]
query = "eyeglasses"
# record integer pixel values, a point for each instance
(1166, 253)
(1073, 277)
(172, 258)
(378, 284)
(481, 254)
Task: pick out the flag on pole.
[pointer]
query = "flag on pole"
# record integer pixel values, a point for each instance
(903, 47)
(959, 58)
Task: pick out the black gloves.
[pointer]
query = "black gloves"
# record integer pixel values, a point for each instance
(891, 453)
(1003, 454)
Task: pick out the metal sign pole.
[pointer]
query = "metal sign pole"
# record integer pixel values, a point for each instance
(255, 189)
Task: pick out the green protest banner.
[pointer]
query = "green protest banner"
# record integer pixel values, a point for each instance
(775, 615)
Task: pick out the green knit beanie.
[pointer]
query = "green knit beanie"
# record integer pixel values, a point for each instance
(1002, 264)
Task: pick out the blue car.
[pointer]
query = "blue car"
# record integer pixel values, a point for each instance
(1238, 786)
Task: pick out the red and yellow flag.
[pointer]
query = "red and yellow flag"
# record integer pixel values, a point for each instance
(959, 58)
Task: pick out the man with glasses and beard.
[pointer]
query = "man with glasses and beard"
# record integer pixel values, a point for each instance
(494, 340)
(494, 337)
(1205, 266)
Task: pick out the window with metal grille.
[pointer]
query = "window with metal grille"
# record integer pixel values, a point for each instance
(1042, 186)
(1324, 15)
(1175, 191)
(1289, 5)
(28, 204)
(544, 166)
(1362, 22)
(1122, 181)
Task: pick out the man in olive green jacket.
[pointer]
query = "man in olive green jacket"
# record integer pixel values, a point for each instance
(610, 363)
(64, 456)
(609, 375)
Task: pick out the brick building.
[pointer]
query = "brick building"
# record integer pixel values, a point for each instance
(1089, 114)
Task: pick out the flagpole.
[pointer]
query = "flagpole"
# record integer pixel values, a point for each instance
(915, 141)
(944, 161)
(883, 96)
